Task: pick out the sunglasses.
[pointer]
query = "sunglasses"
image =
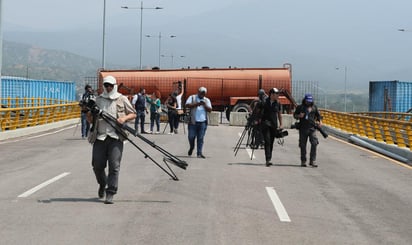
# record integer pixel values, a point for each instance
(107, 85)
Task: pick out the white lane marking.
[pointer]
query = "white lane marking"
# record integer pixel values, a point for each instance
(34, 189)
(249, 151)
(280, 209)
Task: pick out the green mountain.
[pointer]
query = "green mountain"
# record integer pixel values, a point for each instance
(27, 61)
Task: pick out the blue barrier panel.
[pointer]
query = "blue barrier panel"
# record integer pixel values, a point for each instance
(394, 96)
(29, 88)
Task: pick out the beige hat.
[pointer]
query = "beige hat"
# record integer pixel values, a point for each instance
(110, 80)
(202, 90)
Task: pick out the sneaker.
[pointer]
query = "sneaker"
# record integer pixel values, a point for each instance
(150, 132)
(190, 152)
(109, 198)
(313, 164)
(200, 156)
(268, 163)
(170, 133)
(175, 131)
(303, 164)
(101, 191)
(158, 132)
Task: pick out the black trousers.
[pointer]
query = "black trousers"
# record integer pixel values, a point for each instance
(269, 138)
(304, 135)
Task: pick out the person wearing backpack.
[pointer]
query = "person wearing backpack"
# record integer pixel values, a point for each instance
(309, 118)
(139, 103)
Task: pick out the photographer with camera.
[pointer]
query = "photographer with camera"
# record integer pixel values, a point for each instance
(199, 106)
(88, 95)
(255, 119)
(270, 128)
(107, 142)
(309, 120)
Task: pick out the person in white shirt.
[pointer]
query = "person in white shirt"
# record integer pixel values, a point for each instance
(199, 106)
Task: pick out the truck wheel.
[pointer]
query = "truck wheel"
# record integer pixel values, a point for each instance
(228, 109)
(241, 107)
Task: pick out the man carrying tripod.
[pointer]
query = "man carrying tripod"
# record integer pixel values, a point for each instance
(108, 143)
(309, 119)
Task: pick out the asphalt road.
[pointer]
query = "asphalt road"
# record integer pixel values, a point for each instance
(354, 197)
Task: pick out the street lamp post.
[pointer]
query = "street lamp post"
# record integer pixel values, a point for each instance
(160, 41)
(1, 45)
(345, 81)
(172, 56)
(104, 36)
(141, 28)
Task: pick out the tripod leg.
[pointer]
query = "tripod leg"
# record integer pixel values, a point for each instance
(239, 143)
(165, 127)
(77, 125)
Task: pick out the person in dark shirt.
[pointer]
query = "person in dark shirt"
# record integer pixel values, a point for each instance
(139, 103)
(171, 104)
(271, 115)
(88, 95)
(309, 117)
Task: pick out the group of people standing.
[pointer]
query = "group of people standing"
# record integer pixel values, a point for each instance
(173, 106)
(108, 141)
(267, 121)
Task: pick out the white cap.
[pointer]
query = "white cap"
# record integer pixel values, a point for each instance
(202, 90)
(110, 80)
(273, 91)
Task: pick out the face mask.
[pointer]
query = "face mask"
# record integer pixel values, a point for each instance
(112, 94)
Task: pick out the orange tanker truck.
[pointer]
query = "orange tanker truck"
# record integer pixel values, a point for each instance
(229, 89)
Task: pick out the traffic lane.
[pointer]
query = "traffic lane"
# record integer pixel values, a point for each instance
(354, 195)
(218, 199)
(68, 209)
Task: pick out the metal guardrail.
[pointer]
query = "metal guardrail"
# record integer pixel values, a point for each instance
(389, 128)
(36, 111)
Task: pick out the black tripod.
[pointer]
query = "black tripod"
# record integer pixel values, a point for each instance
(168, 157)
(251, 131)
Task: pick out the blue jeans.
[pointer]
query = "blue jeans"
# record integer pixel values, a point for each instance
(139, 117)
(85, 124)
(198, 131)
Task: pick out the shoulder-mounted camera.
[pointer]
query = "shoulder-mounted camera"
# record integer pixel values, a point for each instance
(295, 125)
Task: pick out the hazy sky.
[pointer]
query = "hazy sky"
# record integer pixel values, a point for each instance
(314, 36)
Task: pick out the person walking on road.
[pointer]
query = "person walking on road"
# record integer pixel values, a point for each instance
(88, 95)
(139, 103)
(155, 106)
(271, 115)
(108, 144)
(199, 106)
(309, 118)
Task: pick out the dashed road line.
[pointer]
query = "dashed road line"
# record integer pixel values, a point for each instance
(280, 209)
(42, 185)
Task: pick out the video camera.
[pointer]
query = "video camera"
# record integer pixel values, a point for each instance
(297, 125)
(84, 103)
(280, 133)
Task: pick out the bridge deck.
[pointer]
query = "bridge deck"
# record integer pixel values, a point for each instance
(354, 197)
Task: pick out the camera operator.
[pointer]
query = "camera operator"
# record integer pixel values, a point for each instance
(271, 114)
(309, 118)
(255, 119)
(199, 106)
(108, 145)
(88, 95)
